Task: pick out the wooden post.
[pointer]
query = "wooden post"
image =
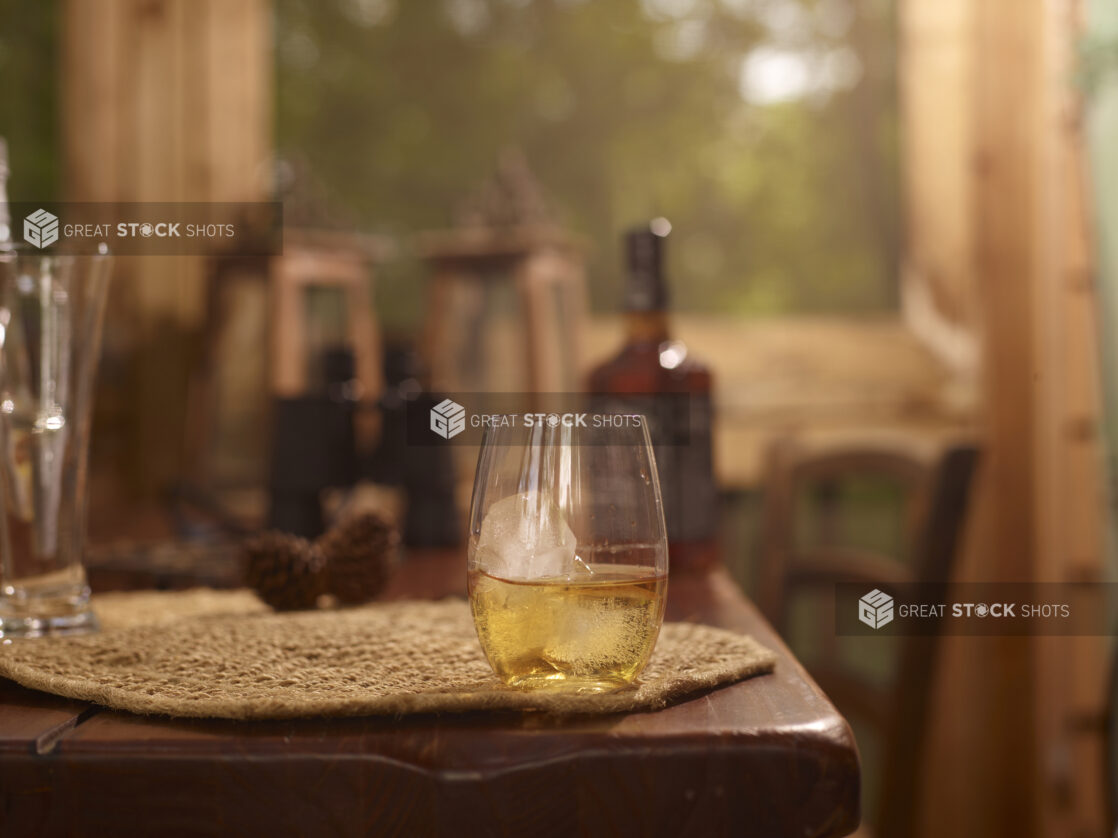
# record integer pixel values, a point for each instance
(938, 295)
(998, 243)
(1071, 673)
(163, 100)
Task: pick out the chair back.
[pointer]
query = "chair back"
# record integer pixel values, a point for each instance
(934, 486)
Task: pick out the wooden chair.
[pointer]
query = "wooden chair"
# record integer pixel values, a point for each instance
(935, 488)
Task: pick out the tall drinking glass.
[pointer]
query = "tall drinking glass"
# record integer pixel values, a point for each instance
(568, 557)
(51, 310)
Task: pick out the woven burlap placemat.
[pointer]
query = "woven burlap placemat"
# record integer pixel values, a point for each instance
(225, 655)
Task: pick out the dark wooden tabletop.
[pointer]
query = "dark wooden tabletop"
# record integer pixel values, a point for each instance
(769, 757)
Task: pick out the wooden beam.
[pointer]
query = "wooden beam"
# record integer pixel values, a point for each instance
(998, 233)
(1070, 672)
(163, 101)
(974, 201)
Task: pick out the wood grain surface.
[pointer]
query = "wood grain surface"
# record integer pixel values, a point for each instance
(765, 757)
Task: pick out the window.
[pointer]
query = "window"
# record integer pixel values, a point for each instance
(764, 129)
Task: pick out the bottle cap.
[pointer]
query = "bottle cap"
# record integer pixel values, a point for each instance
(645, 288)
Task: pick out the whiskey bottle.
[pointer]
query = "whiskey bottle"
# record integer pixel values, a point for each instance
(655, 375)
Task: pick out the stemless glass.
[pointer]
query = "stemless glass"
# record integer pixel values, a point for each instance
(51, 309)
(568, 556)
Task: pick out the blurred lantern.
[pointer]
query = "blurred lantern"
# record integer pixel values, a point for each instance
(507, 293)
(291, 338)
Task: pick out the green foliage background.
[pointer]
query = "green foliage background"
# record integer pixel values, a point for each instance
(29, 76)
(626, 110)
(401, 108)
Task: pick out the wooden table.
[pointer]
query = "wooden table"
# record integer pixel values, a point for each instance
(766, 757)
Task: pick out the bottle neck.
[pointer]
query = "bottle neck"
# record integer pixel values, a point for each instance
(647, 326)
(5, 218)
(5, 213)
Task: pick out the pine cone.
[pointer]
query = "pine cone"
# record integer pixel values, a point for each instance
(361, 554)
(285, 571)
